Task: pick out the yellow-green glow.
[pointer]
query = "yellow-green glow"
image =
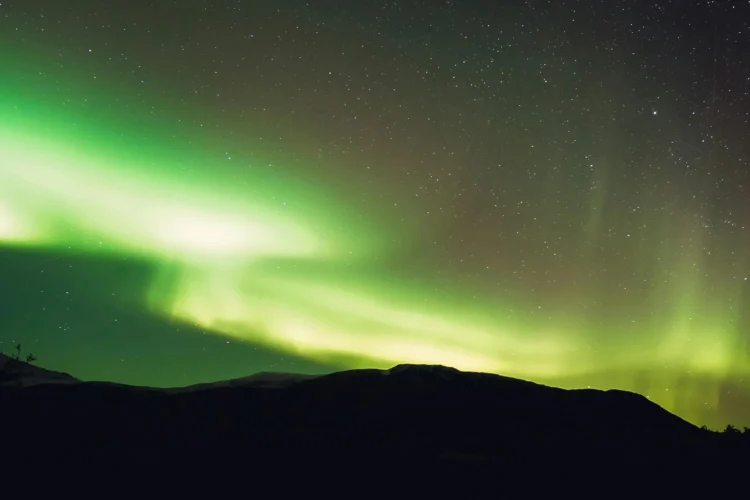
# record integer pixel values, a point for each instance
(13, 227)
(328, 321)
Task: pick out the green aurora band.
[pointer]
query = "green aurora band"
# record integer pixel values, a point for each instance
(276, 262)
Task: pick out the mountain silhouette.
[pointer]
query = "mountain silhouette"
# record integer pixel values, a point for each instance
(434, 428)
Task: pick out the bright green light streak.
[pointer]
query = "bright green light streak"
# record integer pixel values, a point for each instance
(68, 199)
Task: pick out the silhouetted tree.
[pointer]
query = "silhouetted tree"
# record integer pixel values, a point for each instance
(731, 430)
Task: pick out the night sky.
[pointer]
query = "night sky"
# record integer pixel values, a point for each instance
(552, 190)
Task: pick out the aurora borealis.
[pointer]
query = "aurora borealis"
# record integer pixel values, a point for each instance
(551, 191)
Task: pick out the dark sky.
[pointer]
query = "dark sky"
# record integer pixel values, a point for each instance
(553, 190)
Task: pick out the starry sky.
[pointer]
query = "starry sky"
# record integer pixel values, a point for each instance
(552, 190)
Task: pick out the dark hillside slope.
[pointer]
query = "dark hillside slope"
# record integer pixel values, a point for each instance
(20, 373)
(408, 422)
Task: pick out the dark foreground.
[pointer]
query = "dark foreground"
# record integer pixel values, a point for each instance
(409, 431)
